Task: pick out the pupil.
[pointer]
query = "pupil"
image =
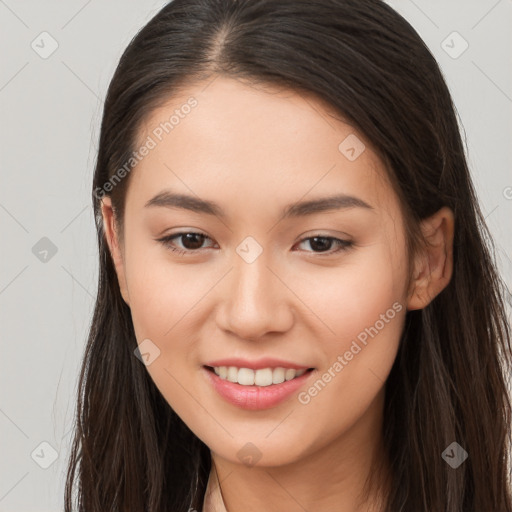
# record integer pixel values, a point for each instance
(190, 237)
(323, 246)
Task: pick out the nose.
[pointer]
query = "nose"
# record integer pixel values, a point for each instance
(254, 300)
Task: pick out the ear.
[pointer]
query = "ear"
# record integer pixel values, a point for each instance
(110, 228)
(433, 268)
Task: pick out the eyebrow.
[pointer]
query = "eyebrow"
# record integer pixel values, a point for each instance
(169, 199)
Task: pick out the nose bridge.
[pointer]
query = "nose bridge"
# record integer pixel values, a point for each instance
(256, 300)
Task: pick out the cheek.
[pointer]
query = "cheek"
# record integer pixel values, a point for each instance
(162, 298)
(161, 292)
(362, 313)
(352, 296)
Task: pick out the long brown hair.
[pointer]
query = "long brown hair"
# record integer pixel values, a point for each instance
(131, 452)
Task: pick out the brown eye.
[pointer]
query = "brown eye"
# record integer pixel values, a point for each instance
(323, 244)
(190, 241)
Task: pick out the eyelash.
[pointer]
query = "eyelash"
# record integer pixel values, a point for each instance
(344, 245)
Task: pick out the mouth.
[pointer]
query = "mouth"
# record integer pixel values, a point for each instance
(262, 377)
(256, 389)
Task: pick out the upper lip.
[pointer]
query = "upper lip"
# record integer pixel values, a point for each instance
(266, 362)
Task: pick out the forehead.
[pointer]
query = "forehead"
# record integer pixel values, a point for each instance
(269, 145)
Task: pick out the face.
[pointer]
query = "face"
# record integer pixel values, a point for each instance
(256, 284)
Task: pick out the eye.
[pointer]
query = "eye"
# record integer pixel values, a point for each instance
(192, 241)
(324, 243)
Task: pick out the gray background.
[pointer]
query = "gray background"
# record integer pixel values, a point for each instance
(51, 113)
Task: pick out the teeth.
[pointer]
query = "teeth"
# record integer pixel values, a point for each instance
(262, 377)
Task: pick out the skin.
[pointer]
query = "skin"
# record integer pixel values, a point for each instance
(255, 150)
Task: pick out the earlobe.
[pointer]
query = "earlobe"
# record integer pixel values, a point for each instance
(111, 236)
(433, 267)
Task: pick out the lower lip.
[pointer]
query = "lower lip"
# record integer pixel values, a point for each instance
(255, 397)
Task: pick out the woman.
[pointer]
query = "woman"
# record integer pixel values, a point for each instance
(335, 338)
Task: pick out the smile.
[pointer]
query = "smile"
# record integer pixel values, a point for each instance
(239, 386)
(261, 377)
